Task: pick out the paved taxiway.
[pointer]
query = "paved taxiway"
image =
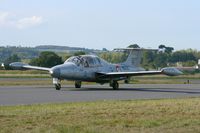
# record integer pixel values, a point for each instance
(14, 95)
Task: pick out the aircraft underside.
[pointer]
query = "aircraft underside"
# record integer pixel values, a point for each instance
(113, 83)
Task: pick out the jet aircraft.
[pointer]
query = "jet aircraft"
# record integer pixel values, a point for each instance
(91, 68)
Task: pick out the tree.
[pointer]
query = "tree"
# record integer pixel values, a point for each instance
(182, 56)
(104, 49)
(134, 46)
(160, 60)
(47, 59)
(167, 50)
(12, 58)
(161, 46)
(189, 63)
(147, 59)
(79, 53)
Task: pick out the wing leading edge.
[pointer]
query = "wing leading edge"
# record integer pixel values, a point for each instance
(20, 65)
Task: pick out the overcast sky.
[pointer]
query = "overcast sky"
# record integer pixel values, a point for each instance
(101, 23)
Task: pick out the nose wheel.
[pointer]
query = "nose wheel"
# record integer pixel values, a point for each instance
(57, 86)
(56, 83)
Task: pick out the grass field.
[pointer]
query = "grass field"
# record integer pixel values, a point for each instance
(164, 116)
(33, 77)
(22, 72)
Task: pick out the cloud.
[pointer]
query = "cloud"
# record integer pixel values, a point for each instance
(4, 16)
(8, 20)
(29, 22)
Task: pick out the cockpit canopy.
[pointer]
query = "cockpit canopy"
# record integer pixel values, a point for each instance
(85, 60)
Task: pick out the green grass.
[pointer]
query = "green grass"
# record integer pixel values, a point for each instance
(22, 72)
(168, 115)
(16, 77)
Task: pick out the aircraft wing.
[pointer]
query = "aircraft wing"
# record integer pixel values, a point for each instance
(170, 71)
(36, 68)
(20, 65)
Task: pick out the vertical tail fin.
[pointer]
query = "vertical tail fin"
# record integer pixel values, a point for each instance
(134, 58)
(135, 55)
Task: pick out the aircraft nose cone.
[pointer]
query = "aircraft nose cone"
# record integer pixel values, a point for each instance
(55, 72)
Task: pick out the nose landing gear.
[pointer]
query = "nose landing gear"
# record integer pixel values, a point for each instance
(57, 84)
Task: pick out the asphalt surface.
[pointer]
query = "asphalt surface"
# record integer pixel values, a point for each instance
(16, 95)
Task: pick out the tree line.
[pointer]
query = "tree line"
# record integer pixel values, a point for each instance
(21, 52)
(165, 56)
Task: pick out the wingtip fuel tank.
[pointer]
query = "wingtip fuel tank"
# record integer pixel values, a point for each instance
(171, 71)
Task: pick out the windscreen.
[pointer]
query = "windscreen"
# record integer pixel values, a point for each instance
(85, 61)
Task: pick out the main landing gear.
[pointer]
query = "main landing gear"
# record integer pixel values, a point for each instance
(57, 84)
(114, 85)
(77, 84)
(126, 81)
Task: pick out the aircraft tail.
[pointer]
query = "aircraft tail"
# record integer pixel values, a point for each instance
(134, 57)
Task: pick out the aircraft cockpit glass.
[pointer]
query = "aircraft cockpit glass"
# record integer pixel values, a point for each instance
(98, 61)
(74, 59)
(92, 61)
(89, 60)
(85, 61)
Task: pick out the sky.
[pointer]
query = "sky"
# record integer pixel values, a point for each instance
(100, 24)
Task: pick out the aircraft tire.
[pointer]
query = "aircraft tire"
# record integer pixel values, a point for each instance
(77, 84)
(115, 85)
(126, 81)
(58, 86)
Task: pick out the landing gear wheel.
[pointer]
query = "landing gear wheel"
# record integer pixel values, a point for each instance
(77, 84)
(58, 86)
(115, 85)
(126, 81)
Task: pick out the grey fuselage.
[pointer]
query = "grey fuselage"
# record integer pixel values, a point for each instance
(85, 67)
